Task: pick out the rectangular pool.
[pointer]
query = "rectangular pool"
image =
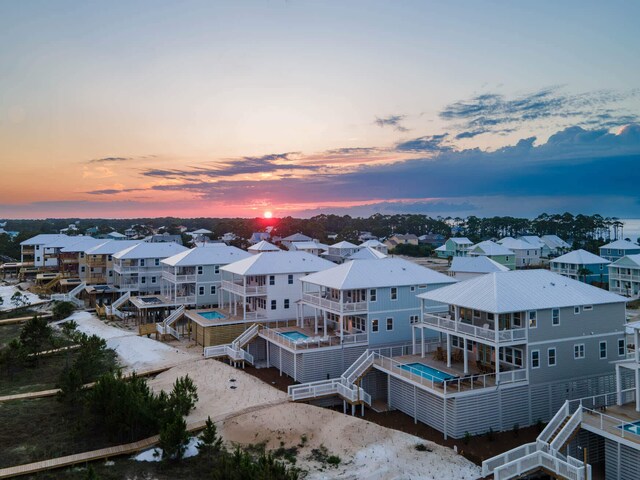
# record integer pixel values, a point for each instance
(631, 427)
(294, 336)
(427, 372)
(213, 315)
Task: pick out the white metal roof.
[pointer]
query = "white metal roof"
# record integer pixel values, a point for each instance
(441, 248)
(491, 248)
(534, 240)
(480, 264)
(386, 272)
(297, 237)
(109, 247)
(367, 253)
(628, 259)
(520, 290)
(621, 245)
(83, 244)
(554, 241)
(206, 256)
(202, 231)
(62, 241)
(273, 263)
(461, 240)
(371, 243)
(43, 239)
(150, 250)
(580, 257)
(118, 234)
(344, 244)
(516, 244)
(312, 245)
(263, 246)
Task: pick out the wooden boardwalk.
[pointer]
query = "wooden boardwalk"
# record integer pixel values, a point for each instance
(54, 391)
(10, 321)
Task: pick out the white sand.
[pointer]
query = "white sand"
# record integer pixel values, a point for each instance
(134, 352)
(6, 292)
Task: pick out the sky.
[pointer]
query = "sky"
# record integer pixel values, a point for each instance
(227, 108)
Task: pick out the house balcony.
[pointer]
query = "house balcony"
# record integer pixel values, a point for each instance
(309, 340)
(468, 328)
(170, 277)
(96, 278)
(70, 260)
(316, 300)
(619, 276)
(244, 290)
(119, 268)
(96, 261)
(565, 271)
(185, 300)
(28, 250)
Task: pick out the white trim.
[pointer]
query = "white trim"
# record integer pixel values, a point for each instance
(555, 357)
(387, 324)
(532, 352)
(606, 350)
(576, 355)
(573, 339)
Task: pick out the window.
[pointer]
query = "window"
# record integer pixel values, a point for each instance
(111, 273)
(212, 289)
(109, 258)
(413, 288)
(374, 325)
(273, 304)
(603, 349)
(576, 310)
(394, 293)
(551, 357)
(622, 347)
(37, 247)
(587, 308)
(422, 287)
(143, 280)
(290, 279)
(517, 319)
(506, 259)
(533, 319)
(389, 323)
(555, 316)
(153, 279)
(37, 259)
(82, 269)
(286, 303)
(272, 279)
(619, 252)
(373, 294)
(601, 266)
(414, 318)
(578, 351)
(535, 358)
(216, 269)
(200, 270)
(157, 262)
(142, 262)
(200, 290)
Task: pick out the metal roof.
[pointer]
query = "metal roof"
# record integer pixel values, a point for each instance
(344, 244)
(491, 248)
(263, 246)
(516, 244)
(83, 244)
(386, 272)
(371, 243)
(150, 250)
(461, 240)
(206, 256)
(43, 239)
(520, 290)
(621, 245)
(628, 260)
(367, 253)
(109, 247)
(479, 264)
(580, 257)
(273, 263)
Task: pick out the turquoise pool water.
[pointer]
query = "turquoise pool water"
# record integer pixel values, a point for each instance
(632, 427)
(211, 315)
(426, 372)
(295, 336)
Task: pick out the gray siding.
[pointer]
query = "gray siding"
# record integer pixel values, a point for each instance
(621, 462)
(322, 364)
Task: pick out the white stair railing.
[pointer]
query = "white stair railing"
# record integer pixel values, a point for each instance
(175, 315)
(547, 434)
(357, 368)
(246, 336)
(121, 300)
(537, 460)
(565, 433)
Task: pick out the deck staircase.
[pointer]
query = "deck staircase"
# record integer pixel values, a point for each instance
(71, 296)
(544, 453)
(347, 386)
(165, 328)
(235, 351)
(48, 287)
(114, 308)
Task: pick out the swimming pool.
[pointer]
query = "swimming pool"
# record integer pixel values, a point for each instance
(295, 336)
(213, 315)
(427, 372)
(631, 427)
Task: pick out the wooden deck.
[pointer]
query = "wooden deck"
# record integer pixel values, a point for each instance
(612, 418)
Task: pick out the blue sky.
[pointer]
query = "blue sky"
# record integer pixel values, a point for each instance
(234, 108)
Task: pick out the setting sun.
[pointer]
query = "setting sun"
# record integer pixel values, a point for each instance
(268, 214)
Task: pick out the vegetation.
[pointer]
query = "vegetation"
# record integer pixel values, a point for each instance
(62, 310)
(413, 250)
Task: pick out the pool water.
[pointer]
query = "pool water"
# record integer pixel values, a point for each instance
(295, 336)
(427, 372)
(211, 315)
(632, 427)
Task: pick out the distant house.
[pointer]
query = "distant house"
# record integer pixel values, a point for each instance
(164, 237)
(433, 239)
(72, 229)
(364, 236)
(341, 251)
(556, 245)
(368, 253)
(526, 254)
(91, 231)
(464, 268)
(618, 249)
(258, 237)
(263, 246)
(130, 233)
(575, 265)
(228, 237)
(116, 236)
(537, 242)
(376, 245)
(296, 237)
(8, 232)
(454, 247)
(624, 276)
(399, 239)
(495, 252)
(312, 247)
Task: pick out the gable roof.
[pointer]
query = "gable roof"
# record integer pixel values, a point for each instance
(202, 231)
(344, 244)
(109, 247)
(519, 290)
(490, 248)
(534, 240)
(206, 256)
(622, 245)
(150, 250)
(629, 260)
(273, 263)
(461, 240)
(580, 257)
(42, 239)
(367, 253)
(83, 244)
(263, 246)
(297, 237)
(371, 243)
(554, 241)
(516, 244)
(480, 264)
(312, 245)
(117, 234)
(385, 272)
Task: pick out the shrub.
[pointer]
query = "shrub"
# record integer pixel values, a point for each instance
(467, 438)
(333, 460)
(210, 441)
(174, 438)
(62, 310)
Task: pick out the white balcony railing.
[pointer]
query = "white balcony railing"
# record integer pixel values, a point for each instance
(178, 278)
(336, 306)
(243, 290)
(118, 268)
(313, 342)
(450, 325)
(185, 300)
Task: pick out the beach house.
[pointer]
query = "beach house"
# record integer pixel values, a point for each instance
(496, 252)
(581, 265)
(464, 268)
(618, 249)
(527, 255)
(454, 247)
(624, 276)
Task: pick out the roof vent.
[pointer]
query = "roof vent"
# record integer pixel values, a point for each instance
(553, 284)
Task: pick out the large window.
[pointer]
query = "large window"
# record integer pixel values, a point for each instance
(555, 316)
(273, 304)
(603, 349)
(622, 347)
(200, 290)
(199, 269)
(373, 293)
(533, 319)
(216, 269)
(389, 323)
(290, 279)
(535, 358)
(551, 357)
(286, 303)
(375, 325)
(272, 279)
(212, 290)
(578, 351)
(394, 293)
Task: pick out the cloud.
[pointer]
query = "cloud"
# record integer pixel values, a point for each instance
(110, 160)
(429, 143)
(392, 121)
(113, 191)
(494, 112)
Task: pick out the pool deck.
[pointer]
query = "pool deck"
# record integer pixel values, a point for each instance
(194, 315)
(612, 418)
(314, 340)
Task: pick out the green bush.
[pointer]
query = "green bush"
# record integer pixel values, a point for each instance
(62, 310)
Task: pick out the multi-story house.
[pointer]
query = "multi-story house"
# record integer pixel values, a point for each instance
(70, 257)
(376, 245)
(193, 277)
(464, 268)
(618, 249)
(42, 250)
(312, 247)
(454, 247)
(624, 276)
(296, 237)
(495, 252)
(581, 265)
(137, 269)
(367, 253)
(96, 266)
(401, 239)
(556, 245)
(527, 255)
(537, 242)
(263, 246)
(341, 251)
